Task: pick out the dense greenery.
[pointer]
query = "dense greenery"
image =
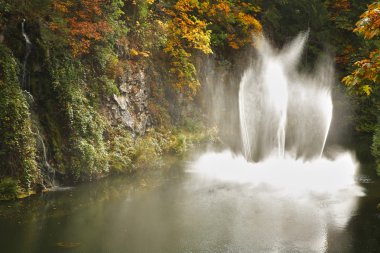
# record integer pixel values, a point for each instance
(88, 53)
(17, 142)
(364, 78)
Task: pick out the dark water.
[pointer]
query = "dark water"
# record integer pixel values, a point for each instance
(171, 211)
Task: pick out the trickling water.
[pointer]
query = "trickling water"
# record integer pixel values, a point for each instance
(282, 111)
(28, 46)
(49, 172)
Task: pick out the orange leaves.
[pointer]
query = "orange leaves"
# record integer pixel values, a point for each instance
(184, 6)
(369, 24)
(84, 22)
(223, 7)
(344, 57)
(367, 72)
(61, 6)
(186, 31)
(237, 18)
(190, 25)
(341, 5)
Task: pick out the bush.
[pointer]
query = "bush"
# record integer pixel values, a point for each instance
(83, 124)
(8, 188)
(121, 150)
(148, 151)
(17, 142)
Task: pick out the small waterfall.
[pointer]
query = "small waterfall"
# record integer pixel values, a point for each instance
(48, 171)
(283, 112)
(28, 46)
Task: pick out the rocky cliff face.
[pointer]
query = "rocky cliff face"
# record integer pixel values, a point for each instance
(71, 119)
(130, 107)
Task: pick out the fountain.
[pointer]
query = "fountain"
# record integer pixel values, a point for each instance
(281, 111)
(284, 120)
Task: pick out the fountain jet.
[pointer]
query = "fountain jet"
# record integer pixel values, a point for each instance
(284, 112)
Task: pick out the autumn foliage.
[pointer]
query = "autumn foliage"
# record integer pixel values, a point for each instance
(367, 71)
(83, 20)
(200, 25)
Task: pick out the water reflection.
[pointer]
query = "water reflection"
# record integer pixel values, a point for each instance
(189, 212)
(281, 204)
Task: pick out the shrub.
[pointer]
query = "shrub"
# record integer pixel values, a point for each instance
(17, 142)
(8, 188)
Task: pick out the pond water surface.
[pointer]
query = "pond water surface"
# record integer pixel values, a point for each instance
(172, 210)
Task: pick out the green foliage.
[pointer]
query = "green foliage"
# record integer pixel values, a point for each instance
(375, 147)
(363, 79)
(283, 20)
(179, 144)
(84, 125)
(121, 150)
(366, 74)
(17, 142)
(148, 151)
(126, 154)
(8, 188)
(4, 9)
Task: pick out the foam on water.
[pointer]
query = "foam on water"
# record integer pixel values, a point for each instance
(284, 192)
(288, 176)
(326, 184)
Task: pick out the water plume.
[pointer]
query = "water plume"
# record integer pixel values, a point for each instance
(284, 120)
(281, 110)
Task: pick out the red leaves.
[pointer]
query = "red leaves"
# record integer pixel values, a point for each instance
(84, 21)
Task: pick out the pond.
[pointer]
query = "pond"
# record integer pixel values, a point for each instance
(179, 210)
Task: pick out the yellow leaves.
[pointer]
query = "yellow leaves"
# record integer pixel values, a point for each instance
(223, 7)
(237, 18)
(369, 23)
(367, 89)
(186, 5)
(366, 74)
(133, 52)
(62, 6)
(186, 32)
(189, 28)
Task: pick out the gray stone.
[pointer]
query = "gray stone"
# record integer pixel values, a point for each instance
(122, 101)
(124, 88)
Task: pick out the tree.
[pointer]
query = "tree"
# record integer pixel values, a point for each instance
(83, 21)
(364, 78)
(203, 26)
(367, 71)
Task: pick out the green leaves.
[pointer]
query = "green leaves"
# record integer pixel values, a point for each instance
(17, 142)
(366, 74)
